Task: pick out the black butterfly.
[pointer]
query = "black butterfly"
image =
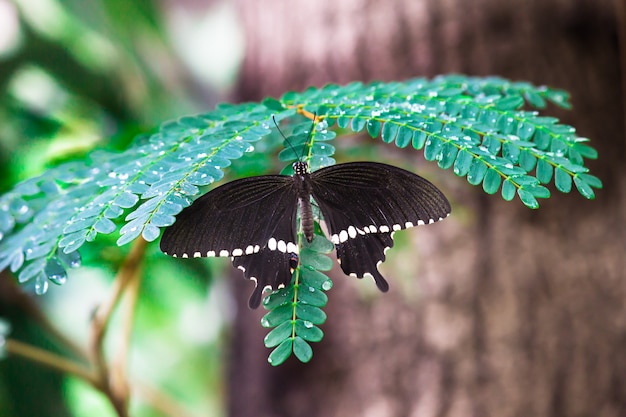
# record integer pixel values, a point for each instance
(253, 220)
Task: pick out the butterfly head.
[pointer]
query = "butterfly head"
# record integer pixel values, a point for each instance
(300, 167)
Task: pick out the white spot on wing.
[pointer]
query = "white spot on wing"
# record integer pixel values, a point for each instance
(361, 232)
(372, 228)
(197, 254)
(237, 252)
(174, 255)
(431, 221)
(343, 236)
(292, 247)
(420, 222)
(210, 253)
(383, 229)
(334, 239)
(396, 227)
(185, 255)
(271, 244)
(352, 232)
(224, 252)
(249, 250)
(368, 275)
(408, 224)
(282, 246)
(244, 270)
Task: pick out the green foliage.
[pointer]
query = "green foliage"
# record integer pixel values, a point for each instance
(295, 311)
(475, 126)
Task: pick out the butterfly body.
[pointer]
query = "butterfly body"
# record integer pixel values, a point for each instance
(253, 220)
(302, 182)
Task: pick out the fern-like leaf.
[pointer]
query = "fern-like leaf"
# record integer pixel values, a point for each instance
(477, 127)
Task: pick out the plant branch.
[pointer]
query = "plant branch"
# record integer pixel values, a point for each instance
(116, 390)
(49, 359)
(152, 397)
(119, 366)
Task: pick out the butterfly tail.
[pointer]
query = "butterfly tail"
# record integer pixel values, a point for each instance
(268, 269)
(360, 257)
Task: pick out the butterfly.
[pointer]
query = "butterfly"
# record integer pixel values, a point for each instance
(254, 220)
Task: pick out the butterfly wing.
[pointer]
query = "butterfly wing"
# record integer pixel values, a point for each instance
(266, 268)
(363, 203)
(252, 220)
(362, 255)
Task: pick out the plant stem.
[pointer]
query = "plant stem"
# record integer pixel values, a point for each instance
(49, 359)
(119, 377)
(115, 387)
(152, 397)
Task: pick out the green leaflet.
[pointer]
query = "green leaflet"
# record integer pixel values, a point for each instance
(389, 132)
(447, 155)
(302, 349)
(508, 190)
(562, 180)
(491, 182)
(404, 137)
(544, 171)
(463, 163)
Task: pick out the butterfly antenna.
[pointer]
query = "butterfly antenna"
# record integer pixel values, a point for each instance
(287, 140)
(284, 137)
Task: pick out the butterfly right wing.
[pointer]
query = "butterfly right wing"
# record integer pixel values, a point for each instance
(252, 220)
(363, 203)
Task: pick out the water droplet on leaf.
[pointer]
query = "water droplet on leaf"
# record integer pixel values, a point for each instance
(55, 271)
(41, 284)
(71, 259)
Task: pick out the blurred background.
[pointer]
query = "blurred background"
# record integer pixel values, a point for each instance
(505, 312)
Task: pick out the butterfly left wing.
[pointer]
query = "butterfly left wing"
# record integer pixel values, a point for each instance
(363, 203)
(251, 220)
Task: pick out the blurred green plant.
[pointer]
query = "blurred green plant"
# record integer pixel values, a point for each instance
(78, 76)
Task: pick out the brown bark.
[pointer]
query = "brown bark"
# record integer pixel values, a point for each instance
(507, 312)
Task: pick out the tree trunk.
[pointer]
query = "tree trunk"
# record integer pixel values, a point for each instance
(508, 311)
